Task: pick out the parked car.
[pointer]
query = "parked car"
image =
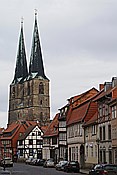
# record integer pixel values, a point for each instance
(33, 162)
(49, 163)
(108, 169)
(60, 165)
(7, 162)
(40, 162)
(72, 166)
(28, 160)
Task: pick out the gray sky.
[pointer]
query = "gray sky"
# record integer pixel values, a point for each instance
(79, 45)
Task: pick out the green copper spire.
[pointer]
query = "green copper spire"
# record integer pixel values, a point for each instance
(21, 71)
(36, 68)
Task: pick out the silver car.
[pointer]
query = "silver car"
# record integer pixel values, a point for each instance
(49, 163)
(7, 161)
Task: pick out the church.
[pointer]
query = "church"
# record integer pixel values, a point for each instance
(29, 98)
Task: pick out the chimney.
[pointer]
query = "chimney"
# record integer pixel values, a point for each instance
(107, 86)
(114, 81)
(101, 86)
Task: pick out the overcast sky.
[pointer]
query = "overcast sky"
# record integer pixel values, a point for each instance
(78, 39)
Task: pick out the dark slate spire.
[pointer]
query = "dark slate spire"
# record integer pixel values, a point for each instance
(36, 68)
(21, 71)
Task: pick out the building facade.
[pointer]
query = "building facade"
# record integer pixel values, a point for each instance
(81, 109)
(62, 133)
(30, 143)
(50, 141)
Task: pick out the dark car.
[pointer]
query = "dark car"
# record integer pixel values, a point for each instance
(72, 166)
(108, 169)
(60, 165)
(40, 162)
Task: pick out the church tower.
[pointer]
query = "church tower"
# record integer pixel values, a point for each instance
(29, 92)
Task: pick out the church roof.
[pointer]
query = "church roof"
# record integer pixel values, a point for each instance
(36, 68)
(21, 71)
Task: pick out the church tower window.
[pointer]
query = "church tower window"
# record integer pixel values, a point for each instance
(28, 89)
(41, 102)
(41, 88)
(13, 92)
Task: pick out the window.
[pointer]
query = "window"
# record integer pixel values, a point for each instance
(13, 92)
(77, 153)
(104, 134)
(93, 129)
(80, 129)
(54, 140)
(30, 141)
(100, 111)
(31, 152)
(62, 124)
(114, 112)
(41, 88)
(28, 89)
(87, 151)
(100, 156)
(20, 142)
(40, 102)
(73, 153)
(62, 152)
(109, 132)
(33, 134)
(39, 133)
(104, 155)
(95, 150)
(86, 132)
(110, 156)
(21, 152)
(92, 151)
(39, 142)
(62, 136)
(100, 129)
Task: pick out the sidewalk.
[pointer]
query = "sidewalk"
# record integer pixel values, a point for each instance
(84, 171)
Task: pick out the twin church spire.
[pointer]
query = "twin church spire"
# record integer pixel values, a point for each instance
(36, 68)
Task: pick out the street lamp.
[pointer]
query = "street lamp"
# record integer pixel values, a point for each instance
(98, 142)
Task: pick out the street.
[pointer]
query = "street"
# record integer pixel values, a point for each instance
(23, 169)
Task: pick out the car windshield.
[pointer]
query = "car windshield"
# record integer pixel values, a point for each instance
(50, 160)
(7, 158)
(63, 162)
(73, 163)
(110, 167)
(98, 167)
